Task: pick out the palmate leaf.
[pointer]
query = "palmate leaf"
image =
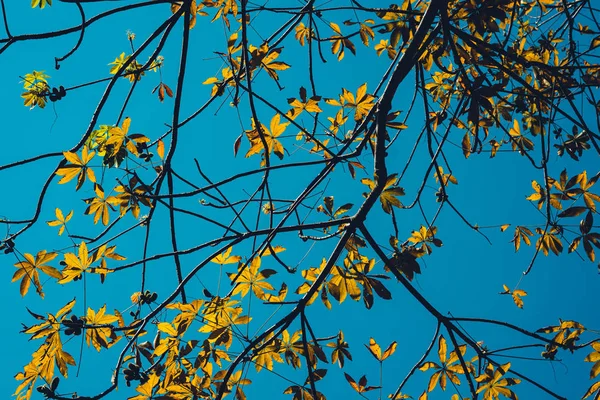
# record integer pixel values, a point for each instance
(444, 178)
(519, 142)
(384, 45)
(405, 261)
(424, 236)
(256, 136)
(361, 385)
(48, 355)
(28, 271)
(133, 72)
(263, 57)
(266, 357)
(99, 206)
(77, 167)
(303, 33)
(493, 383)
(251, 278)
(163, 89)
(303, 104)
(362, 103)
(76, 264)
(119, 137)
(448, 367)
(339, 42)
(340, 350)
(517, 295)
(219, 316)
(375, 350)
(342, 284)
(100, 337)
(303, 393)
(35, 95)
(29, 80)
(390, 194)
(549, 241)
(522, 233)
(292, 348)
(541, 196)
(60, 220)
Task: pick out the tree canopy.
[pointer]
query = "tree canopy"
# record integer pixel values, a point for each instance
(301, 199)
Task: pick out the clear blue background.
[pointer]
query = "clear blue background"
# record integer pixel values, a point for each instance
(463, 277)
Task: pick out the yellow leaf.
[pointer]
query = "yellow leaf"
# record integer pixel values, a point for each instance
(224, 258)
(77, 167)
(28, 271)
(374, 349)
(160, 149)
(100, 337)
(167, 328)
(591, 390)
(389, 351)
(272, 249)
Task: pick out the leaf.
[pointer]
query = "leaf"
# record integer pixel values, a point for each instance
(591, 390)
(236, 145)
(548, 241)
(572, 212)
(101, 336)
(391, 349)
(28, 271)
(167, 328)
(48, 355)
(595, 358)
(40, 3)
(60, 220)
(361, 103)
(342, 209)
(269, 135)
(466, 145)
(374, 348)
(523, 233)
(361, 386)
(595, 42)
(340, 350)
(493, 383)
(272, 249)
(225, 258)
(388, 197)
(517, 294)
(77, 167)
(162, 90)
(448, 368)
(303, 104)
(160, 149)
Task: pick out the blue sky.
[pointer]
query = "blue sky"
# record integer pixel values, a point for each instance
(463, 277)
